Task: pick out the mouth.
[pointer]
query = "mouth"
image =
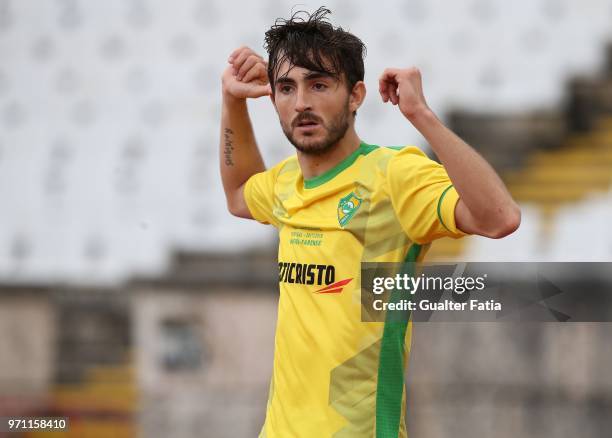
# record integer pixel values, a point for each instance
(307, 125)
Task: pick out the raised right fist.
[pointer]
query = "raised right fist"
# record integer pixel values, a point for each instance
(246, 76)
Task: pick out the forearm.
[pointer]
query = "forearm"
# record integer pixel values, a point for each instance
(485, 207)
(480, 188)
(238, 152)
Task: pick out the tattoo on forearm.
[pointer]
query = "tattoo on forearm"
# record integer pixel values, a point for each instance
(229, 147)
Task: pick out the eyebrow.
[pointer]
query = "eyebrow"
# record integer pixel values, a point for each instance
(307, 76)
(317, 75)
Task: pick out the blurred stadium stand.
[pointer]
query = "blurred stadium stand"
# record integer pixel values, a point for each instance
(558, 166)
(131, 300)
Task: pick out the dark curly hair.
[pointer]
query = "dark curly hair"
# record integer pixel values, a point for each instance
(311, 42)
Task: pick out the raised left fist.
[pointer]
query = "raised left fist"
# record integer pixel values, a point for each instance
(403, 87)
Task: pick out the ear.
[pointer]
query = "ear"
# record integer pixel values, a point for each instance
(357, 96)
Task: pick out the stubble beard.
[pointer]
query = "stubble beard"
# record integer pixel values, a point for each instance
(335, 131)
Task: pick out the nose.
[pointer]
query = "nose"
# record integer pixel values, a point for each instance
(302, 102)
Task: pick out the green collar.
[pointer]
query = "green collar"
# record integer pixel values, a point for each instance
(363, 149)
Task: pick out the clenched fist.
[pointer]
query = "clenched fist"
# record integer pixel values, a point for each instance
(246, 76)
(403, 87)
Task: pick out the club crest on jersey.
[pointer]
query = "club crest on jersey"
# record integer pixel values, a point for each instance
(347, 207)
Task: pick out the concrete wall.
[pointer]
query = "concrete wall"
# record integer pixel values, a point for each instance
(226, 394)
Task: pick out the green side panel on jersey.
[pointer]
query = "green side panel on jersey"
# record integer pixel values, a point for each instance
(390, 388)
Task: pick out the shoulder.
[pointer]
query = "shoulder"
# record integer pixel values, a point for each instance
(267, 179)
(407, 152)
(395, 156)
(287, 170)
(410, 157)
(287, 165)
(282, 173)
(394, 151)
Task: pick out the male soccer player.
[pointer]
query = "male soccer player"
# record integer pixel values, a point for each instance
(338, 202)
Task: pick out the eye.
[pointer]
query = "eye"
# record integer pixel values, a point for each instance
(319, 86)
(285, 89)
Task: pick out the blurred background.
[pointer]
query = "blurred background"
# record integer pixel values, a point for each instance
(132, 302)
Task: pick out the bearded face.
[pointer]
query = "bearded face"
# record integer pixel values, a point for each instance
(313, 109)
(311, 134)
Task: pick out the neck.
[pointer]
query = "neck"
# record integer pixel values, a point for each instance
(315, 165)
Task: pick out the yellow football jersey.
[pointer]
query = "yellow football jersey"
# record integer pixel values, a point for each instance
(334, 375)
